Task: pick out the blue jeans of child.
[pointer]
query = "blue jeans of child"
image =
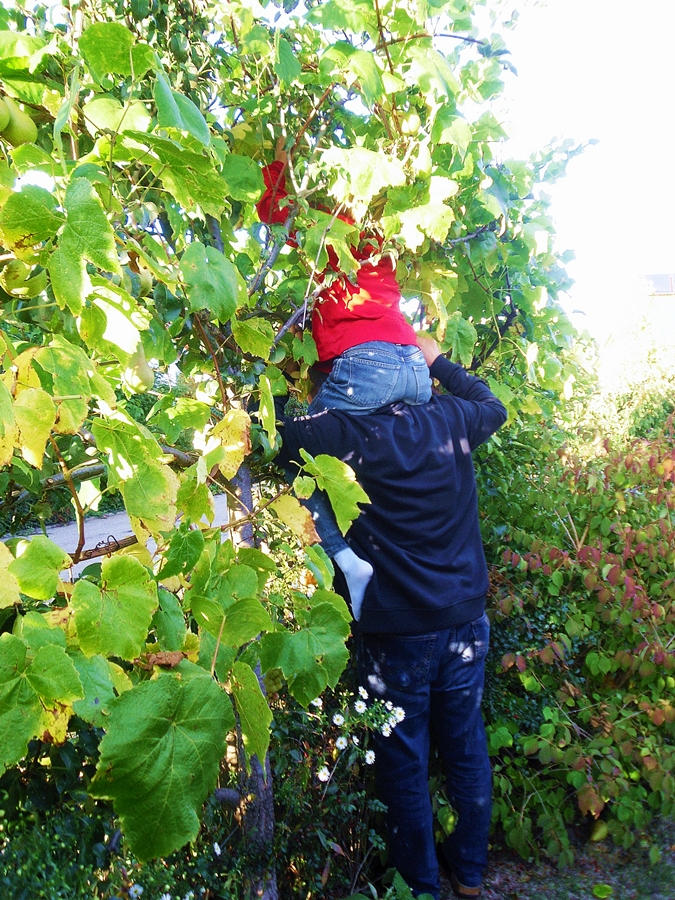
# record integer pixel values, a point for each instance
(437, 679)
(363, 379)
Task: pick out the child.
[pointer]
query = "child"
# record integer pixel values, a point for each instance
(366, 346)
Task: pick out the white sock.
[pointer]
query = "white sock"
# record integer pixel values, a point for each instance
(358, 573)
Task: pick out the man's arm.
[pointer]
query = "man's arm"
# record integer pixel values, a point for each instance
(487, 412)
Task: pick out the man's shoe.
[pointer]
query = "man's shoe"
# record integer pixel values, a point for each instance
(462, 890)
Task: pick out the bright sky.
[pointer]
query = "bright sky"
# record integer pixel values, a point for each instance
(602, 69)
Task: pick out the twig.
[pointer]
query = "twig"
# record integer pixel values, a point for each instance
(383, 42)
(212, 353)
(79, 512)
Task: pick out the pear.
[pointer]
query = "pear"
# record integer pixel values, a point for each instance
(138, 377)
(4, 115)
(21, 129)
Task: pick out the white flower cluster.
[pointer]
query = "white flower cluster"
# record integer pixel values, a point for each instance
(323, 774)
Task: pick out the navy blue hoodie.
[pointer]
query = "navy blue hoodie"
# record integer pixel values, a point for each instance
(420, 530)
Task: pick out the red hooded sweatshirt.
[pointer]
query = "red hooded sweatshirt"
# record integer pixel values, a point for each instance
(346, 314)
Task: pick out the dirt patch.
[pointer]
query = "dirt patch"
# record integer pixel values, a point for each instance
(629, 873)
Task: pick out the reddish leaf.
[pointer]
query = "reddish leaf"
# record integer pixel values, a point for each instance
(614, 575)
(521, 663)
(590, 801)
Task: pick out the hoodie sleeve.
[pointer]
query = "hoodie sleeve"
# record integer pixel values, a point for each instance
(483, 412)
(269, 210)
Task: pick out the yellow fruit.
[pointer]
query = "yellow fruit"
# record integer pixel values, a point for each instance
(145, 276)
(21, 128)
(410, 124)
(138, 377)
(4, 115)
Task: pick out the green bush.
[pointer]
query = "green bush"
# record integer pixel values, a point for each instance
(581, 692)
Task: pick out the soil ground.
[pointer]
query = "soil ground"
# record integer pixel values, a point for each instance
(629, 873)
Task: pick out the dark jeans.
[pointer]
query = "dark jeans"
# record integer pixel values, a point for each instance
(438, 681)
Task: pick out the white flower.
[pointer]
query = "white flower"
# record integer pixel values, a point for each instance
(189, 896)
(318, 702)
(399, 712)
(341, 742)
(216, 848)
(363, 693)
(360, 706)
(393, 721)
(338, 719)
(355, 741)
(389, 705)
(165, 897)
(386, 729)
(135, 891)
(370, 757)
(323, 774)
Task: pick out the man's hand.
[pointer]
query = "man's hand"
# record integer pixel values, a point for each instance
(429, 347)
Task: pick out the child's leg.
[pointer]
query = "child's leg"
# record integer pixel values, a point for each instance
(357, 571)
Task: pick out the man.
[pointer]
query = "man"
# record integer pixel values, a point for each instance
(422, 634)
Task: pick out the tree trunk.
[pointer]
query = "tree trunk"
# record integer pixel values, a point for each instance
(257, 808)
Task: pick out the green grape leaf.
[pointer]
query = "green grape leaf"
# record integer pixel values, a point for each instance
(363, 69)
(9, 586)
(106, 47)
(175, 110)
(53, 676)
(9, 430)
(169, 622)
(311, 658)
(87, 231)
(254, 713)
(430, 72)
(35, 416)
(97, 683)
(160, 758)
(70, 369)
(254, 336)
(148, 486)
(113, 620)
(175, 415)
(337, 479)
(37, 566)
(461, 336)
(244, 178)
(432, 220)
(244, 621)
(286, 65)
(69, 278)
(29, 218)
(184, 550)
(212, 282)
(108, 114)
(195, 501)
(189, 177)
(209, 647)
(35, 629)
(20, 707)
(362, 173)
(266, 409)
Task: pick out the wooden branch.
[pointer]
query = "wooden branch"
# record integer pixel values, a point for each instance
(106, 548)
(212, 354)
(79, 512)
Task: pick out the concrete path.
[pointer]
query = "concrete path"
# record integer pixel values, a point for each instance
(100, 531)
